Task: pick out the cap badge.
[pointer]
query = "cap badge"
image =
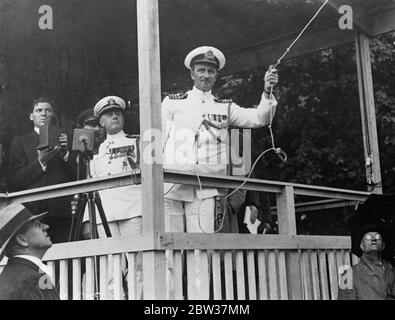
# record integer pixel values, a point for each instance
(111, 102)
(209, 55)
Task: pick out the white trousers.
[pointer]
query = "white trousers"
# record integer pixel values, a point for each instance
(121, 227)
(192, 217)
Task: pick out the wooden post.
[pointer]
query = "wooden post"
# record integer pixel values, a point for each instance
(4, 201)
(151, 155)
(286, 211)
(287, 225)
(368, 115)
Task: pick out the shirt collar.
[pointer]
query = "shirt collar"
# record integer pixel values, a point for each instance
(37, 130)
(369, 261)
(372, 266)
(201, 93)
(37, 262)
(111, 137)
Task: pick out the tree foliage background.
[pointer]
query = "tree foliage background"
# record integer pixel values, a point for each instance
(318, 124)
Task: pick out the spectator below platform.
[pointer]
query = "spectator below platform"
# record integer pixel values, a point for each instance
(372, 278)
(24, 240)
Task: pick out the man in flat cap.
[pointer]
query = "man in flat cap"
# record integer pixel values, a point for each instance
(87, 120)
(118, 153)
(372, 278)
(195, 136)
(24, 239)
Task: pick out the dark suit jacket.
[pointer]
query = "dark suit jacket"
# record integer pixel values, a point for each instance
(261, 201)
(21, 279)
(237, 202)
(26, 173)
(367, 281)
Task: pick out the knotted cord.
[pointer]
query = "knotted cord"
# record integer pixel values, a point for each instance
(300, 34)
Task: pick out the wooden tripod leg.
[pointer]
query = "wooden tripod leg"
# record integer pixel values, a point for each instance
(102, 214)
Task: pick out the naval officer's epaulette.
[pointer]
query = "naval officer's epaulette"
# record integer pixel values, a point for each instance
(219, 100)
(132, 136)
(178, 96)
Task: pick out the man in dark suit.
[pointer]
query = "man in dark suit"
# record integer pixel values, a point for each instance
(373, 277)
(24, 240)
(234, 219)
(32, 168)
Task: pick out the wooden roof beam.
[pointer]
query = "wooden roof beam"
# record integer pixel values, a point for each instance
(267, 52)
(216, 21)
(383, 19)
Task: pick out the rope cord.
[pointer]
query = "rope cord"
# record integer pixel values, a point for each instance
(300, 34)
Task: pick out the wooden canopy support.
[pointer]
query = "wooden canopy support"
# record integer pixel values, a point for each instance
(287, 225)
(383, 19)
(368, 113)
(237, 35)
(315, 39)
(150, 122)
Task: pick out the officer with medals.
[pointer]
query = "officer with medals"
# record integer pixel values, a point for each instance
(118, 153)
(195, 136)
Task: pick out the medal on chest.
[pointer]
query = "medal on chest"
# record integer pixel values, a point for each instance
(128, 154)
(218, 121)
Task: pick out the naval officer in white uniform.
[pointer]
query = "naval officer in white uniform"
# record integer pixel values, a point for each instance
(195, 136)
(118, 153)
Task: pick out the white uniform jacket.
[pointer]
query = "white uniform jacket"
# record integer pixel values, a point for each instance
(123, 202)
(195, 139)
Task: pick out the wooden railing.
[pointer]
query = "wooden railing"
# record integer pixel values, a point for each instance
(231, 266)
(202, 266)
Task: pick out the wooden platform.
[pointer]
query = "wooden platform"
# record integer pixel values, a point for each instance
(165, 265)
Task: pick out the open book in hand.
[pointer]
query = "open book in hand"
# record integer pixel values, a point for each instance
(252, 227)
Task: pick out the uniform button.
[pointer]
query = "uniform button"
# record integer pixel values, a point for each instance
(109, 174)
(109, 162)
